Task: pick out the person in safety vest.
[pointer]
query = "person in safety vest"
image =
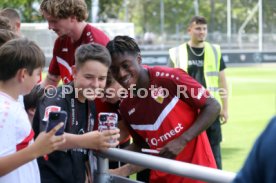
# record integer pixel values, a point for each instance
(203, 61)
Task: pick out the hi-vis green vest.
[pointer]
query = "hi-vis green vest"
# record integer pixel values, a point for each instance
(212, 56)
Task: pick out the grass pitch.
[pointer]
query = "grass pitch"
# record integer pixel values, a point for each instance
(252, 103)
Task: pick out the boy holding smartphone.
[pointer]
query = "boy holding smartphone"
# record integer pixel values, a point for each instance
(89, 73)
(21, 62)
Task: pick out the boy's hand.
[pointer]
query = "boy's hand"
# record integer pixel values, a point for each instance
(108, 138)
(46, 143)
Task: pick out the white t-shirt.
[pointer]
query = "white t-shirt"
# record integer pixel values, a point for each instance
(21, 100)
(16, 133)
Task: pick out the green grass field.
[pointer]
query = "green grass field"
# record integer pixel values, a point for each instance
(252, 103)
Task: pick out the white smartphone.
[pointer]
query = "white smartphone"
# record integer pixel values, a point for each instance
(151, 151)
(107, 121)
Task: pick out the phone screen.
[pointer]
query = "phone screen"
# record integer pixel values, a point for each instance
(107, 120)
(54, 119)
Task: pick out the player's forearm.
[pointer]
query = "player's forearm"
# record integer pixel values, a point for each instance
(206, 117)
(124, 133)
(133, 147)
(223, 90)
(224, 102)
(126, 170)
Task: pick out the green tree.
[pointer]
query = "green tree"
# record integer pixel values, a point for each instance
(29, 12)
(110, 9)
(145, 14)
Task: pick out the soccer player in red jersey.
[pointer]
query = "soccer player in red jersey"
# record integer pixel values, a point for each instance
(67, 20)
(166, 110)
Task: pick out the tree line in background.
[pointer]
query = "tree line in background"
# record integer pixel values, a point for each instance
(146, 14)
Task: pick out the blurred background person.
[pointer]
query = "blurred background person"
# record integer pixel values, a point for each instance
(5, 23)
(14, 17)
(6, 35)
(203, 61)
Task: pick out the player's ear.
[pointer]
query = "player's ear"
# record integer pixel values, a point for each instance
(139, 59)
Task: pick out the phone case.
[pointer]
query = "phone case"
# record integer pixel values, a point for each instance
(107, 120)
(54, 119)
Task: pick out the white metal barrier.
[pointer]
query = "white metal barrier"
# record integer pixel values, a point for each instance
(166, 165)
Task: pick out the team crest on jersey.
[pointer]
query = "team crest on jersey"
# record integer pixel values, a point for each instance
(158, 94)
(51, 108)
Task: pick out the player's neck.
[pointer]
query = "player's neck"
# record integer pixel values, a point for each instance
(144, 80)
(77, 31)
(10, 88)
(196, 44)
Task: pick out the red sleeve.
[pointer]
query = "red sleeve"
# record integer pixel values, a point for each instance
(190, 90)
(100, 37)
(53, 67)
(184, 86)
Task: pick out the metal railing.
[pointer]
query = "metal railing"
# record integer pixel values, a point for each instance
(157, 163)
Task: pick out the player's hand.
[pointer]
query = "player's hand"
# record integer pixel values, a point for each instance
(117, 172)
(223, 116)
(172, 149)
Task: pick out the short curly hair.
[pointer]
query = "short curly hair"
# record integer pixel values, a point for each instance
(63, 9)
(5, 23)
(6, 35)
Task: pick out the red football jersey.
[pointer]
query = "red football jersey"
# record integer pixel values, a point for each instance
(64, 50)
(169, 109)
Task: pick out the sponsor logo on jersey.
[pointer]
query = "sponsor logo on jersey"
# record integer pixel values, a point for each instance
(51, 108)
(166, 136)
